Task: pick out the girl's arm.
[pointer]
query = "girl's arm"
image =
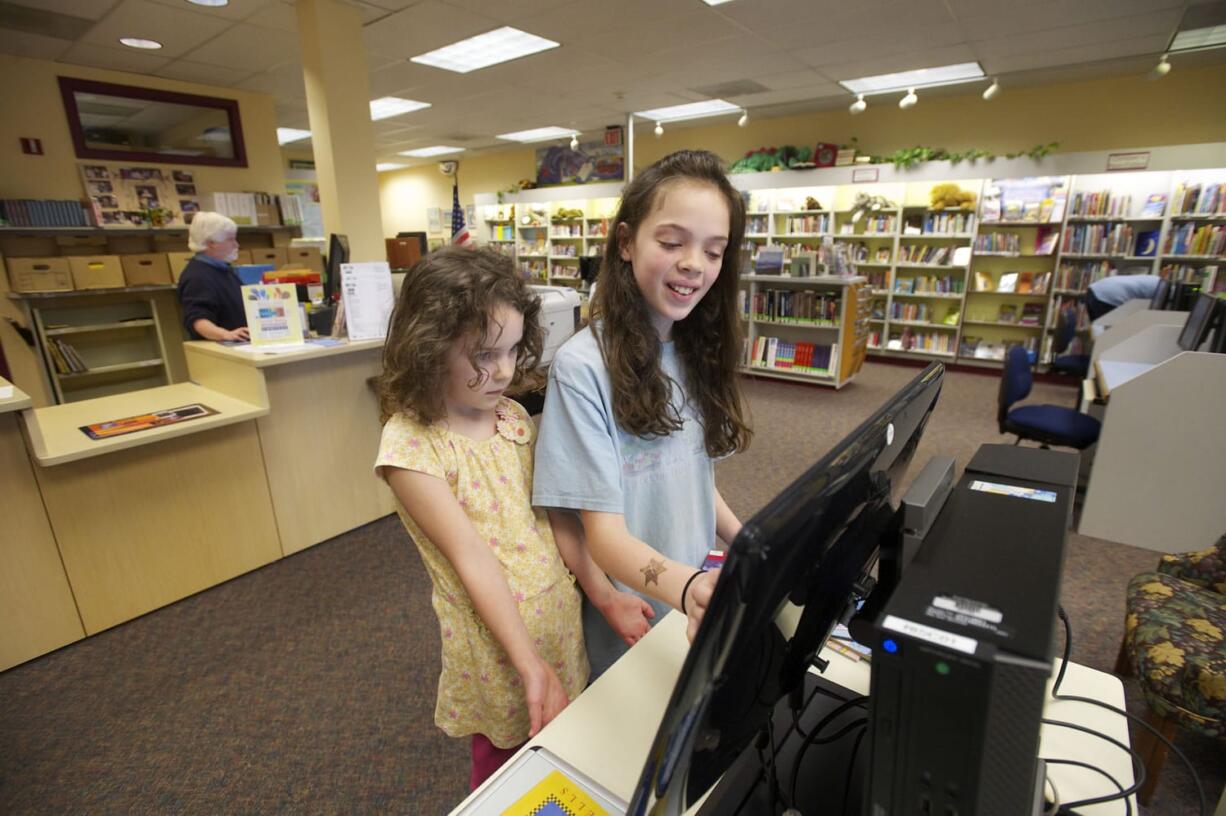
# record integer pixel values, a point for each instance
(727, 525)
(430, 503)
(627, 614)
(636, 564)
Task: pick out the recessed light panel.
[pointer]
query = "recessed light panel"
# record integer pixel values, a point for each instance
(921, 78)
(387, 106)
(383, 167)
(500, 45)
(140, 42)
(691, 110)
(435, 150)
(538, 134)
(210, 3)
(1199, 38)
(287, 135)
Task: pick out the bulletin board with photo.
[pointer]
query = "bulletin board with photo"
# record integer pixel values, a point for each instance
(126, 196)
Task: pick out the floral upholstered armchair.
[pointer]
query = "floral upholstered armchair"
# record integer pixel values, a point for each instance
(1175, 639)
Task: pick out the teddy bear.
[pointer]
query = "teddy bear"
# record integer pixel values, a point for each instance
(951, 197)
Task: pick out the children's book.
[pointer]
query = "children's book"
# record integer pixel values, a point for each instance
(1155, 206)
(1013, 210)
(1007, 313)
(1046, 242)
(1007, 282)
(962, 256)
(555, 795)
(984, 282)
(1032, 314)
(1147, 244)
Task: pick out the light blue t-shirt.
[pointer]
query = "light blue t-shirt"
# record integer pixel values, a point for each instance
(1117, 290)
(664, 486)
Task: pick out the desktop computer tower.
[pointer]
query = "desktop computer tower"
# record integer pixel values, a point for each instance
(963, 647)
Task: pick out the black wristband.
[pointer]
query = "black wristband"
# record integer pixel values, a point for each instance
(685, 589)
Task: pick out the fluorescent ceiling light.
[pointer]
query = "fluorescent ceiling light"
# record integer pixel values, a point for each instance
(383, 167)
(500, 45)
(210, 3)
(1199, 38)
(388, 106)
(435, 150)
(716, 2)
(691, 110)
(538, 134)
(287, 135)
(921, 78)
(138, 42)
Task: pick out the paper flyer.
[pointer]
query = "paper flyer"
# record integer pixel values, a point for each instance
(272, 314)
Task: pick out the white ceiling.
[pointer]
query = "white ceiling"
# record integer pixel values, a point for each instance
(617, 56)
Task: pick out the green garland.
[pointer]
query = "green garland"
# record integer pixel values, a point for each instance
(910, 156)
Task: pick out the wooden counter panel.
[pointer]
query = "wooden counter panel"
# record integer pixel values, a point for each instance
(320, 440)
(205, 517)
(36, 605)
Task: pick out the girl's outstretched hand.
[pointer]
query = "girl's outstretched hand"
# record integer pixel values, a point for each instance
(628, 614)
(545, 696)
(696, 600)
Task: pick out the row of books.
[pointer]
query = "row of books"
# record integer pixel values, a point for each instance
(1100, 204)
(774, 352)
(807, 224)
(1028, 314)
(566, 231)
(980, 349)
(928, 253)
(757, 224)
(941, 223)
(1198, 199)
(938, 285)
(1085, 239)
(803, 306)
(1024, 283)
(65, 357)
(908, 340)
(30, 212)
(1045, 211)
(502, 232)
(998, 242)
(1188, 239)
(870, 225)
(864, 254)
(1078, 275)
(1061, 302)
(919, 311)
(1183, 273)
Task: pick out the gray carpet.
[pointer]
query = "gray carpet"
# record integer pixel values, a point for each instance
(307, 686)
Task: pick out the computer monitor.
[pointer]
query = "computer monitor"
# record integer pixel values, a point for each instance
(1158, 301)
(814, 545)
(1182, 296)
(1202, 318)
(338, 253)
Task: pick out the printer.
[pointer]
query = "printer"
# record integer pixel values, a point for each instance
(559, 317)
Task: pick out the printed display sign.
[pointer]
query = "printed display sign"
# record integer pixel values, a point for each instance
(143, 422)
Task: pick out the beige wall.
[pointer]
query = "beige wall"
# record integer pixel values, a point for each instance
(32, 106)
(1122, 112)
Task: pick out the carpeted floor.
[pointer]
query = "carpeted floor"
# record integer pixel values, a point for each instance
(308, 686)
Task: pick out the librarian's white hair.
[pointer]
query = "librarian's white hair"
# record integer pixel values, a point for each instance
(209, 226)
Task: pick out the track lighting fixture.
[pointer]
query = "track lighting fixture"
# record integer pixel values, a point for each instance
(659, 130)
(574, 141)
(859, 105)
(989, 93)
(1162, 68)
(909, 100)
(744, 120)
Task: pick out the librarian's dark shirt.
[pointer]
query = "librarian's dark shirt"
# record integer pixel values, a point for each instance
(209, 289)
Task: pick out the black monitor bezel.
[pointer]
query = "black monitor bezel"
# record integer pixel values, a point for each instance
(833, 518)
(1201, 319)
(1161, 294)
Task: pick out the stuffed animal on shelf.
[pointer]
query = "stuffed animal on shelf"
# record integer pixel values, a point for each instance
(770, 159)
(951, 197)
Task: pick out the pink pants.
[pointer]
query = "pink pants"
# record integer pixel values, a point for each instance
(487, 758)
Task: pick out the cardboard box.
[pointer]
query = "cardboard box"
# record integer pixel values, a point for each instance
(170, 241)
(176, 261)
(129, 244)
(275, 256)
(39, 274)
(244, 257)
(305, 257)
(282, 238)
(147, 269)
(96, 271)
(28, 246)
(267, 215)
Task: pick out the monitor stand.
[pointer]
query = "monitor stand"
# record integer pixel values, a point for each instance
(832, 773)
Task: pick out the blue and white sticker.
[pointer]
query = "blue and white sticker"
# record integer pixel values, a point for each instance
(937, 637)
(1016, 491)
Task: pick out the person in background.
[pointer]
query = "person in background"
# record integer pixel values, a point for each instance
(1105, 294)
(209, 289)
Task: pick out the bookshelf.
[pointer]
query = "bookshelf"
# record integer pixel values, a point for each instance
(812, 329)
(548, 230)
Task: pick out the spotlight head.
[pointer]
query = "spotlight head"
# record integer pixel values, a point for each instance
(859, 105)
(744, 120)
(659, 130)
(990, 92)
(909, 100)
(1162, 68)
(574, 141)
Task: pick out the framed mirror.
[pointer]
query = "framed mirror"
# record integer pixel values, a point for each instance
(127, 123)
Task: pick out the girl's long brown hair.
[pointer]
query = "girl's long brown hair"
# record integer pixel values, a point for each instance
(709, 340)
(448, 295)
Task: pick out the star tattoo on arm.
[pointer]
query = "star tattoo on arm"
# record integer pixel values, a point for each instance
(651, 572)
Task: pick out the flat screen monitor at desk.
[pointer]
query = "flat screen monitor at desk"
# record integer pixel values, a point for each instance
(1206, 312)
(338, 253)
(814, 545)
(1158, 301)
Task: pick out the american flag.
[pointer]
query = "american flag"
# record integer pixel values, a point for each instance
(459, 232)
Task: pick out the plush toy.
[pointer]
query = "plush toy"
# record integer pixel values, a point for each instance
(951, 197)
(770, 159)
(812, 203)
(567, 213)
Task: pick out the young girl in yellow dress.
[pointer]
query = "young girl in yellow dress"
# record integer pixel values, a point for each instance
(458, 455)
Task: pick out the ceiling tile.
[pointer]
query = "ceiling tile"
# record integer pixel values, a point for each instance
(390, 5)
(35, 46)
(204, 74)
(423, 28)
(177, 29)
(281, 16)
(249, 47)
(899, 62)
(1160, 24)
(234, 11)
(89, 9)
(115, 59)
(1090, 52)
(284, 81)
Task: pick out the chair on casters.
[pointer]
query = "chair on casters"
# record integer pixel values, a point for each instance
(1077, 365)
(1173, 640)
(1046, 424)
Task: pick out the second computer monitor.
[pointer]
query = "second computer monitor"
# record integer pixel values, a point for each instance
(1205, 314)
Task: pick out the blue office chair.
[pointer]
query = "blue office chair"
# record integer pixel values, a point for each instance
(1077, 365)
(1046, 424)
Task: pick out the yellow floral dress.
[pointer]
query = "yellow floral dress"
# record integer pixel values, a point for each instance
(479, 692)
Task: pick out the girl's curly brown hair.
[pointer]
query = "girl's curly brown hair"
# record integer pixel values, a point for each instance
(708, 341)
(449, 295)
